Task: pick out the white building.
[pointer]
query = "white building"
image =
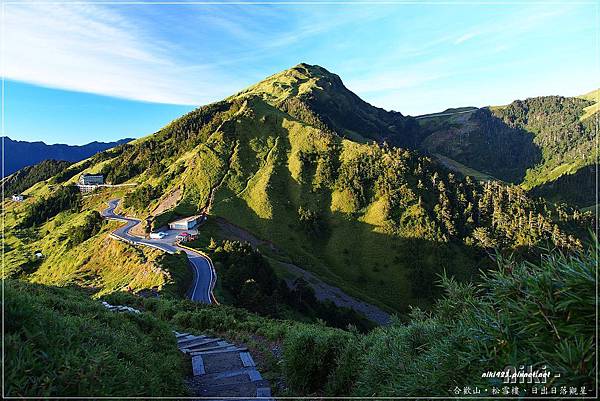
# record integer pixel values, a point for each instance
(91, 179)
(187, 223)
(17, 198)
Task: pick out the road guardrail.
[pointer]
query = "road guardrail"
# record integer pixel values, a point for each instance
(212, 268)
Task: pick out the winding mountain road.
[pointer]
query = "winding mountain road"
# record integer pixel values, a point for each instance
(204, 274)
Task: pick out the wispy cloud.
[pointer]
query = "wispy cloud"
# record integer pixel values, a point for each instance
(192, 54)
(89, 48)
(178, 54)
(465, 37)
(394, 79)
(502, 29)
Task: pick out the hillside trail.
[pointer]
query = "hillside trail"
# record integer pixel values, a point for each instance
(220, 369)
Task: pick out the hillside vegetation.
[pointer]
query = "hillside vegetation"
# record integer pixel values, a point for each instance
(537, 142)
(467, 332)
(58, 342)
(481, 275)
(594, 97)
(75, 249)
(31, 175)
(286, 161)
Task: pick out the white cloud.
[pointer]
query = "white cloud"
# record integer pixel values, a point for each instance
(465, 37)
(392, 80)
(89, 48)
(166, 55)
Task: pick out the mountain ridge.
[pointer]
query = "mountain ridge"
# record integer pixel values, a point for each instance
(331, 105)
(351, 211)
(18, 154)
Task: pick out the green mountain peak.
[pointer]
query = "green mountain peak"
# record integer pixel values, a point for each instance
(315, 95)
(297, 81)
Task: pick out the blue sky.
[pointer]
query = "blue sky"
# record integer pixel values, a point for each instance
(82, 72)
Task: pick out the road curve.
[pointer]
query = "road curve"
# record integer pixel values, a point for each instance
(204, 274)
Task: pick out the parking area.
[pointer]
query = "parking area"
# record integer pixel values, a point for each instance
(171, 235)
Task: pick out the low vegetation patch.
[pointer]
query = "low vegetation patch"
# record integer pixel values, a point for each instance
(65, 198)
(31, 175)
(251, 283)
(91, 226)
(523, 314)
(58, 342)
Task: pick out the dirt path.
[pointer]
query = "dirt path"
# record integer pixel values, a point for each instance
(323, 291)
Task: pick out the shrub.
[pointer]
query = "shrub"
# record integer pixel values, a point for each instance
(91, 226)
(65, 198)
(58, 342)
(523, 314)
(311, 356)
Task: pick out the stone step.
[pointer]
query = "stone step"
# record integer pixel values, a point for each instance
(199, 343)
(247, 360)
(264, 392)
(216, 363)
(189, 341)
(225, 350)
(242, 390)
(187, 337)
(198, 366)
(220, 345)
(222, 369)
(243, 375)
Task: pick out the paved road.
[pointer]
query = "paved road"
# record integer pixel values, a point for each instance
(204, 275)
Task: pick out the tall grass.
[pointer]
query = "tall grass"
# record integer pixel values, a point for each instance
(58, 342)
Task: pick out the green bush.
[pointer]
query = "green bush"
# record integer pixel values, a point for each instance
(180, 274)
(65, 198)
(58, 342)
(311, 356)
(523, 314)
(90, 227)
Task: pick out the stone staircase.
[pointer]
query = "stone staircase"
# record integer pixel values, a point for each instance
(119, 308)
(221, 369)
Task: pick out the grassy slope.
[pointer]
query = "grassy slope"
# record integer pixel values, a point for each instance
(30, 175)
(545, 172)
(432, 352)
(60, 343)
(594, 96)
(100, 262)
(252, 158)
(257, 162)
(265, 186)
(461, 168)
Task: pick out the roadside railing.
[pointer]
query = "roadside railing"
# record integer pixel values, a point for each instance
(212, 268)
(116, 236)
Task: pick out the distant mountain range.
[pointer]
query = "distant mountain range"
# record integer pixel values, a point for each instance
(19, 154)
